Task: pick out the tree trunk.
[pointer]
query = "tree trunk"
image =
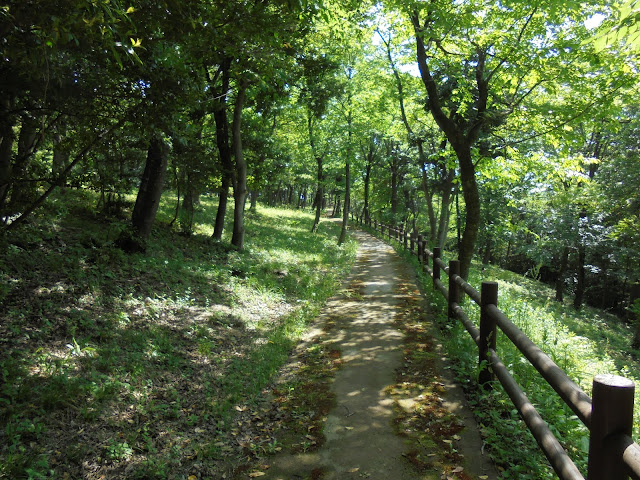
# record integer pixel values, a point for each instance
(60, 156)
(428, 196)
(223, 201)
(367, 186)
(472, 205)
(319, 196)
(148, 200)
(394, 187)
(222, 142)
(564, 261)
(240, 184)
(21, 190)
(188, 205)
(486, 257)
(347, 204)
(443, 223)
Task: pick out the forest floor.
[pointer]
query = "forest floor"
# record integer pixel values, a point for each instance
(392, 409)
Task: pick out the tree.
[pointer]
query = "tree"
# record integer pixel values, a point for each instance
(479, 63)
(148, 199)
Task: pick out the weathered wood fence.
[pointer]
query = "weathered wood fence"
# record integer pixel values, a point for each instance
(608, 415)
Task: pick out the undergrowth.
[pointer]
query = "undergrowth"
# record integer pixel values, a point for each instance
(583, 343)
(118, 365)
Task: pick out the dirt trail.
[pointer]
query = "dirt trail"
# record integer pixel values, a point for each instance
(360, 441)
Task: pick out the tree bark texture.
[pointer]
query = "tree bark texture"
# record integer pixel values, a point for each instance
(445, 203)
(222, 142)
(240, 183)
(428, 196)
(367, 187)
(20, 191)
(347, 204)
(472, 205)
(319, 196)
(148, 199)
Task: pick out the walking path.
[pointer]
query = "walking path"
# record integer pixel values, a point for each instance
(360, 441)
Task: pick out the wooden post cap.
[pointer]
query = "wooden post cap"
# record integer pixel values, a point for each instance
(613, 381)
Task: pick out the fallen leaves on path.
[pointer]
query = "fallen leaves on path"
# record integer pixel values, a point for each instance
(421, 416)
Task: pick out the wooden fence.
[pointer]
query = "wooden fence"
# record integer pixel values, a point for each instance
(608, 415)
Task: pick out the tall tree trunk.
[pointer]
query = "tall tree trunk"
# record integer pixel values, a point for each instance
(319, 196)
(347, 204)
(20, 190)
(461, 133)
(222, 142)
(472, 206)
(428, 196)
(318, 201)
(148, 199)
(188, 204)
(394, 186)
(240, 184)
(223, 201)
(486, 256)
(580, 271)
(60, 156)
(443, 223)
(564, 261)
(367, 187)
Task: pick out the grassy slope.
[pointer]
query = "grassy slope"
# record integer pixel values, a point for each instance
(137, 366)
(584, 343)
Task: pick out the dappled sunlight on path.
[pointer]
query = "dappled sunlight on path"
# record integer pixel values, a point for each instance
(360, 442)
(360, 438)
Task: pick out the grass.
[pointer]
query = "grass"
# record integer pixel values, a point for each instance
(583, 343)
(137, 366)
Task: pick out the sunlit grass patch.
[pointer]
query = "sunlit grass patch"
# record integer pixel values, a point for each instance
(132, 365)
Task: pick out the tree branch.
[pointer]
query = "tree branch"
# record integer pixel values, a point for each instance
(63, 175)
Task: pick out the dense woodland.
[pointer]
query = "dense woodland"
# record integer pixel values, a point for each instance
(505, 131)
(140, 318)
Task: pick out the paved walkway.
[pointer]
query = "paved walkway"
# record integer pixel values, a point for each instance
(360, 439)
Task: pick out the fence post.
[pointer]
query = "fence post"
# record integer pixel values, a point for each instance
(375, 224)
(488, 332)
(412, 245)
(405, 239)
(611, 414)
(454, 289)
(419, 247)
(436, 267)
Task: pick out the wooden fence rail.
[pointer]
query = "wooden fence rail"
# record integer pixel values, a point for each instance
(608, 415)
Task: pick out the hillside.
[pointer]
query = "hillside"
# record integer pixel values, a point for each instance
(133, 365)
